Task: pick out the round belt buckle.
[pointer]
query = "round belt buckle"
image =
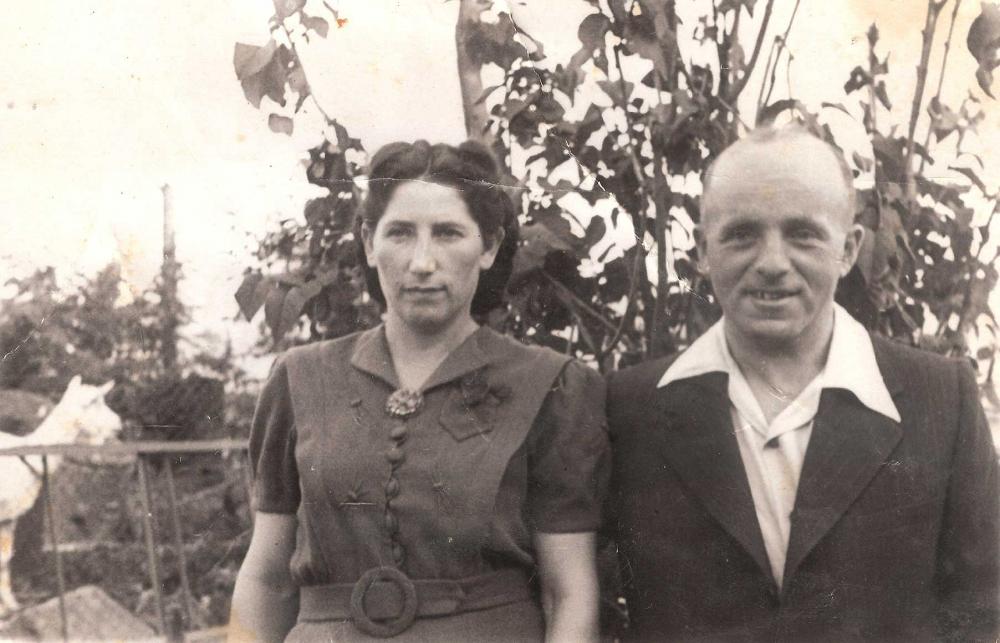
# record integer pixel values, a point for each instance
(391, 627)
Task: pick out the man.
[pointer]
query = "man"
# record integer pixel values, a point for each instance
(789, 476)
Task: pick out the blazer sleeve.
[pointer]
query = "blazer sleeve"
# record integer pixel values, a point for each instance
(968, 571)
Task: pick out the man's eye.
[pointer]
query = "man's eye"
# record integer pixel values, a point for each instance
(804, 234)
(738, 236)
(396, 232)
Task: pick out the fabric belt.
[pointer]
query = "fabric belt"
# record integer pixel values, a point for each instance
(386, 594)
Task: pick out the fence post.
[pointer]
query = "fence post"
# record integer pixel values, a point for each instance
(175, 519)
(149, 528)
(54, 539)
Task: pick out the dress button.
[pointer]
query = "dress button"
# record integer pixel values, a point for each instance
(391, 524)
(392, 488)
(395, 455)
(398, 553)
(398, 432)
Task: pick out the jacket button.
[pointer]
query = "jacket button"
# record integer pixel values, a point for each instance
(391, 523)
(398, 432)
(395, 455)
(392, 488)
(398, 553)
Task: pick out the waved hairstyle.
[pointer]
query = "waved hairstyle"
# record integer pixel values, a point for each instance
(469, 168)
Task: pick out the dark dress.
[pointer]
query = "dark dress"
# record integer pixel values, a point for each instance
(510, 440)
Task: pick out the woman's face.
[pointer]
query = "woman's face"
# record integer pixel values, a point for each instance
(428, 251)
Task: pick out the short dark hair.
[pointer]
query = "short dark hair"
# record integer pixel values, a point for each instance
(472, 170)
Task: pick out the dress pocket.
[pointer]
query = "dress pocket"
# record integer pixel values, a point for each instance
(462, 420)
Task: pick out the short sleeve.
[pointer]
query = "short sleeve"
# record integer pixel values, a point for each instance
(568, 455)
(272, 447)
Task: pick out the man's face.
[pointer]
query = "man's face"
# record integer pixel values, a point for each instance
(776, 236)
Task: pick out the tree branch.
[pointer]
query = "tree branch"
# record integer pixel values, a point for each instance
(470, 72)
(944, 65)
(933, 10)
(737, 89)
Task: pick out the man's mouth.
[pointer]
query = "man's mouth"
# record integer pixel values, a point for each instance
(770, 294)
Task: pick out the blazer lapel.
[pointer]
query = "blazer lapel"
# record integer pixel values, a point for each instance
(849, 444)
(696, 429)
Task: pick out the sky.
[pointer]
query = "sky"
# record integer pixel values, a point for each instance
(103, 102)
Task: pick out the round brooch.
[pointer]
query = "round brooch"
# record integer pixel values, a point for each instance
(404, 403)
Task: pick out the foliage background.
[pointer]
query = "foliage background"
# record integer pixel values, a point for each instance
(625, 128)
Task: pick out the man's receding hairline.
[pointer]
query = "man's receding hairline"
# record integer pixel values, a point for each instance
(768, 135)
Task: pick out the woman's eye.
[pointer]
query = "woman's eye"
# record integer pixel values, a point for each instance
(450, 233)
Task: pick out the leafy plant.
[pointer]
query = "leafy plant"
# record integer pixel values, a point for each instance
(629, 148)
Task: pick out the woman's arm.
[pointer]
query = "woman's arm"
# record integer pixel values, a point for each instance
(568, 568)
(266, 600)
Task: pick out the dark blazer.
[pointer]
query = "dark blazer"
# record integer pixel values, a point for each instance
(894, 534)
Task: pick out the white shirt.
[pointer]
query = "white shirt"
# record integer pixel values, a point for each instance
(773, 452)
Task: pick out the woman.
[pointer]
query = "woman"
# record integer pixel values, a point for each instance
(428, 479)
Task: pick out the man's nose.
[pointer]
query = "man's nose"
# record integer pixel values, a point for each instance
(422, 261)
(773, 258)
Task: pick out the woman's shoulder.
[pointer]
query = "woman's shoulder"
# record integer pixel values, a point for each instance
(324, 351)
(508, 349)
(533, 360)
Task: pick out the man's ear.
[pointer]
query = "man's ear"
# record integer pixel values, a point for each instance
(852, 247)
(490, 252)
(702, 246)
(366, 238)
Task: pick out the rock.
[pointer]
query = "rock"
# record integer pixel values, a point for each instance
(92, 615)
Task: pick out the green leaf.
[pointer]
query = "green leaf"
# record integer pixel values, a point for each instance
(592, 30)
(883, 95)
(252, 293)
(262, 71)
(273, 306)
(249, 60)
(291, 309)
(595, 232)
(970, 174)
(983, 42)
(280, 124)
(285, 8)
(317, 24)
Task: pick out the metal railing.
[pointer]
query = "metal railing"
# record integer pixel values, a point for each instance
(142, 451)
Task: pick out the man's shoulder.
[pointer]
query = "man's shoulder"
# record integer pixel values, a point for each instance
(905, 365)
(639, 378)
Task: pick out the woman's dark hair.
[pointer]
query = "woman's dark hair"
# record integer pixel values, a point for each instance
(472, 170)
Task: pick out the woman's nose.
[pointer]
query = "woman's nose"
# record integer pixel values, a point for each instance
(422, 261)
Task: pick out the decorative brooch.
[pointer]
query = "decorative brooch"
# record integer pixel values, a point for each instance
(476, 390)
(404, 402)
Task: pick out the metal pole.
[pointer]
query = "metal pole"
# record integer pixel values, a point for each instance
(248, 483)
(149, 528)
(179, 540)
(54, 539)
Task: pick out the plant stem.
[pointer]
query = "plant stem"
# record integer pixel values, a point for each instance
(737, 89)
(933, 11)
(944, 64)
(298, 60)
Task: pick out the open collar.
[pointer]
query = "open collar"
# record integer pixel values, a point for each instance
(851, 363)
(371, 354)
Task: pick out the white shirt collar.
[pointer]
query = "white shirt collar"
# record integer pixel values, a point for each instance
(850, 364)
